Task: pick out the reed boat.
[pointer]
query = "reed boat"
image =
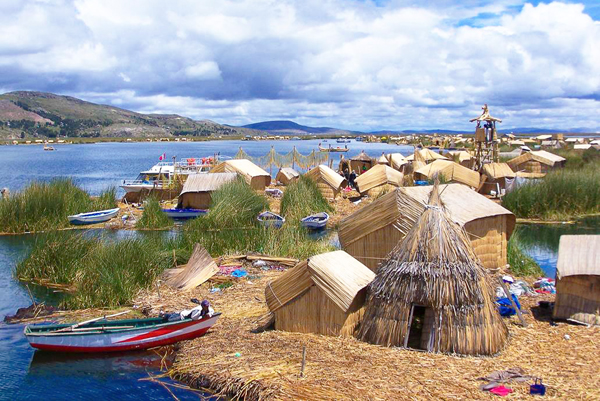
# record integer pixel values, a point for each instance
(270, 219)
(315, 221)
(332, 149)
(93, 217)
(182, 214)
(47, 147)
(115, 335)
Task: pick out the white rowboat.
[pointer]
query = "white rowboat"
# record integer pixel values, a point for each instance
(93, 217)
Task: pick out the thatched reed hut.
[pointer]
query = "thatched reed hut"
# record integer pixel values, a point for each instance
(450, 171)
(379, 179)
(323, 295)
(361, 163)
(495, 175)
(578, 279)
(198, 188)
(462, 157)
(255, 176)
(536, 162)
(433, 294)
(287, 175)
(383, 159)
(427, 155)
(329, 182)
(397, 161)
(371, 233)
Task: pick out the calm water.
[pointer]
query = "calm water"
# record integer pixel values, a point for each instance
(29, 375)
(97, 166)
(540, 241)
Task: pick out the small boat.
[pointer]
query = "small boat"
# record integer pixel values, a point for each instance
(93, 217)
(101, 335)
(47, 147)
(332, 149)
(270, 219)
(181, 214)
(315, 221)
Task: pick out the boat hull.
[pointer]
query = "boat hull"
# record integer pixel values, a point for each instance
(314, 222)
(93, 218)
(183, 214)
(125, 340)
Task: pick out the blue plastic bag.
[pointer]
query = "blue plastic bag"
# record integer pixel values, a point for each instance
(506, 308)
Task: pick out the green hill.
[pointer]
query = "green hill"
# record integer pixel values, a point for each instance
(38, 114)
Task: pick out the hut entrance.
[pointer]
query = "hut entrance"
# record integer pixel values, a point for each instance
(416, 328)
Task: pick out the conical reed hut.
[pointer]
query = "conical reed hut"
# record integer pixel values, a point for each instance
(432, 293)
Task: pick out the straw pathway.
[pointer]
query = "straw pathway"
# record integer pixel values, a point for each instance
(269, 363)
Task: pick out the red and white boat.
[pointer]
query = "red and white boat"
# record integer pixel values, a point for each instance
(101, 335)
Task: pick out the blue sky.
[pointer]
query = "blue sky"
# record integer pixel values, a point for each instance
(364, 65)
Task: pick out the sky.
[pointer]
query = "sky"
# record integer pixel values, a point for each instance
(358, 65)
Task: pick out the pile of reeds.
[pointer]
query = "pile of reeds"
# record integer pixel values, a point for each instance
(153, 217)
(562, 194)
(45, 206)
(301, 199)
(98, 272)
(435, 267)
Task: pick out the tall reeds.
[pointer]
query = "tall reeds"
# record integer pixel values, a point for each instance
(521, 264)
(99, 272)
(153, 217)
(562, 194)
(231, 225)
(303, 198)
(45, 206)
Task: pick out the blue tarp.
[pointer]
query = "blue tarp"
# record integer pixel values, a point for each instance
(506, 308)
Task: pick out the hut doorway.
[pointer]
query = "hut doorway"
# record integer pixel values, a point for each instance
(416, 328)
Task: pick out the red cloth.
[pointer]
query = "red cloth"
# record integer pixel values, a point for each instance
(501, 391)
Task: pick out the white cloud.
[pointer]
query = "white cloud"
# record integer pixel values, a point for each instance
(333, 62)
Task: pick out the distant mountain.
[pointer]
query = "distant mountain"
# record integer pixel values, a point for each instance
(38, 114)
(286, 127)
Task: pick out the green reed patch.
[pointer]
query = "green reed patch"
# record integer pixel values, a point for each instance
(520, 263)
(303, 198)
(45, 206)
(153, 216)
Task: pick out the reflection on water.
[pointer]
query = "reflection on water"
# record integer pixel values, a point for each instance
(540, 241)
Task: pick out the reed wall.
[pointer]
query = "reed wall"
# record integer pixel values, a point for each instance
(489, 240)
(195, 200)
(314, 312)
(385, 188)
(326, 190)
(578, 298)
(488, 237)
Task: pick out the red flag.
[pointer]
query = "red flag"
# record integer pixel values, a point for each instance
(163, 156)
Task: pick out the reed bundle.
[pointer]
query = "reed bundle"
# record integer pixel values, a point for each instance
(436, 268)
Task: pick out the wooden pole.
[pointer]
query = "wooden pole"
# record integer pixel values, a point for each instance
(512, 301)
(303, 361)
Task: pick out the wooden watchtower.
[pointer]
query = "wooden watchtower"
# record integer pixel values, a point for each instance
(486, 139)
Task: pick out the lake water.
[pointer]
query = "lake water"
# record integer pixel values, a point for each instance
(29, 375)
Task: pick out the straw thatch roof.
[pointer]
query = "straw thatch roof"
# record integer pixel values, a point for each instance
(371, 233)
(255, 176)
(206, 182)
(337, 274)
(397, 160)
(485, 116)
(287, 175)
(379, 175)
(498, 170)
(540, 156)
(578, 255)
(451, 172)
(427, 155)
(461, 155)
(327, 175)
(434, 276)
(198, 269)
(383, 160)
(362, 156)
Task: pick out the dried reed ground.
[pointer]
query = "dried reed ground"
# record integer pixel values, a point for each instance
(337, 368)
